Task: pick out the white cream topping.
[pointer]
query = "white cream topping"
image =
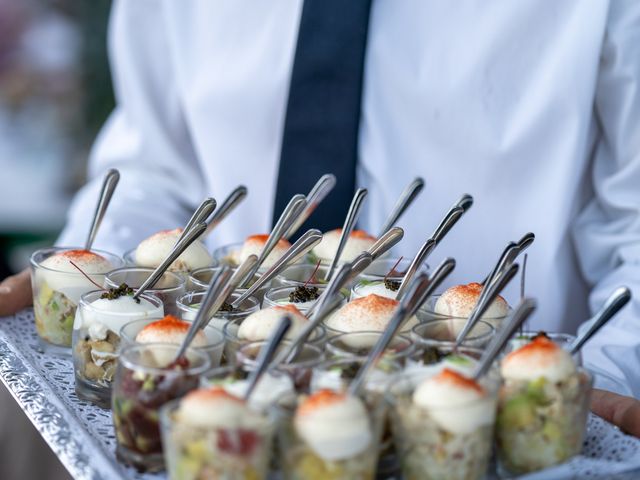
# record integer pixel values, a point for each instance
(153, 250)
(253, 246)
(259, 325)
(554, 364)
(268, 390)
(459, 302)
(215, 411)
(328, 247)
(336, 431)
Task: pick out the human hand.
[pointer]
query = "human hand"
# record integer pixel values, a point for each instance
(624, 412)
(15, 293)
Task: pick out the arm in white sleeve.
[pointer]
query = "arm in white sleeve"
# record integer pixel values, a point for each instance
(607, 233)
(146, 138)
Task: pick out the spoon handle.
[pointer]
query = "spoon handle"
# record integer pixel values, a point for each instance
(191, 236)
(214, 290)
(509, 255)
(266, 354)
(305, 243)
(317, 194)
(238, 277)
(109, 185)
(386, 242)
(491, 291)
(611, 307)
(425, 250)
(201, 214)
(465, 202)
(441, 272)
(230, 203)
(289, 215)
(519, 315)
(406, 198)
(347, 228)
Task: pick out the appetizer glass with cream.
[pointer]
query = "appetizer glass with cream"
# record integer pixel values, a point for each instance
(359, 344)
(234, 254)
(199, 280)
(442, 424)
(383, 277)
(329, 435)
(302, 297)
(301, 274)
(544, 403)
(152, 251)
(564, 340)
(147, 378)
(189, 304)
(173, 330)
(168, 289)
(358, 242)
(96, 340)
(211, 433)
(58, 285)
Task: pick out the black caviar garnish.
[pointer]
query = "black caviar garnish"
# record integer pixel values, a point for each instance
(227, 307)
(121, 291)
(303, 294)
(393, 285)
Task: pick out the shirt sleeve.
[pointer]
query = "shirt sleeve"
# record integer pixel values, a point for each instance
(607, 233)
(146, 139)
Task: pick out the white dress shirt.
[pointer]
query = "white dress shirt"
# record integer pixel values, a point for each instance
(532, 107)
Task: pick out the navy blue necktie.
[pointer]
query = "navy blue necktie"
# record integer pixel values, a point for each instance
(323, 110)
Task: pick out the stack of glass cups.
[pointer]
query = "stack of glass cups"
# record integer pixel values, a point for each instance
(57, 290)
(96, 342)
(169, 288)
(148, 377)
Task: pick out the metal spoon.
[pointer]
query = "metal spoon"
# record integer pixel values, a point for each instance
(191, 236)
(612, 305)
(511, 325)
(266, 354)
(239, 276)
(109, 185)
(386, 242)
(289, 215)
(211, 298)
(509, 255)
(318, 193)
(490, 294)
(230, 203)
(425, 250)
(456, 211)
(406, 198)
(305, 243)
(201, 214)
(347, 228)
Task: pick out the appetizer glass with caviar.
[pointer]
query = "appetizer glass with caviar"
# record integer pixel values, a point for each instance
(544, 403)
(303, 297)
(383, 277)
(302, 274)
(189, 304)
(211, 433)
(359, 344)
(173, 330)
(148, 377)
(59, 277)
(96, 340)
(199, 280)
(442, 424)
(169, 288)
(328, 435)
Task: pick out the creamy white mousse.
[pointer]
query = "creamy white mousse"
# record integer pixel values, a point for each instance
(455, 402)
(254, 245)
(215, 408)
(374, 288)
(358, 242)
(334, 425)
(58, 267)
(170, 330)
(540, 358)
(259, 325)
(153, 250)
(370, 313)
(268, 390)
(459, 302)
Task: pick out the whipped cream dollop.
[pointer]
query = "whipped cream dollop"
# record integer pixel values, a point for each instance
(259, 325)
(459, 302)
(215, 407)
(153, 250)
(268, 390)
(540, 358)
(334, 425)
(370, 313)
(61, 276)
(358, 242)
(254, 244)
(455, 402)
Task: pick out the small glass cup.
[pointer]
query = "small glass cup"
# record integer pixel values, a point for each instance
(214, 347)
(437, 338)
(299, 369)
(359, 344)
(452, 442)
(239, 451)
(380, 269)
(146, 379)
(234, 343)
(199, 280)
(541, 423)
(168, 289)
(189, 304)
(564, 340)
(300, 459)
(96, 343)
(378, 287)
(228, 254)
(301, 274)
(56, 295)
(279, 297)
(427, 313)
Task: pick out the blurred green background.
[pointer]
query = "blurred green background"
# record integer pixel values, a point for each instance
(55, 93)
